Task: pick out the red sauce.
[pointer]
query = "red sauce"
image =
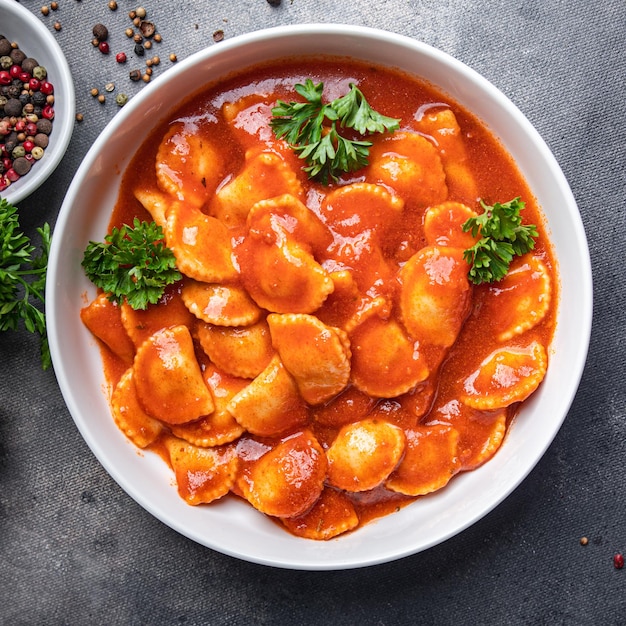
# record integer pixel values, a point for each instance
(433, 401)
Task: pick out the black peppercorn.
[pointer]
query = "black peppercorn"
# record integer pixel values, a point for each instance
(39, 99)
(139, 50)
(100, 32)
(13, 107)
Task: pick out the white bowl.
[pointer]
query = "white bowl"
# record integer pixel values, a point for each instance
(233, 527)
(18, 24)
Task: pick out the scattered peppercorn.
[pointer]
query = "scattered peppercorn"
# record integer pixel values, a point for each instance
(139, 50)
(113, 5)
(94, 92)
(218, 35)
(140, 12)
(173, 58)
(121, 99)
(101, 98)
(618, 561)
(45, 10)
(135, 75)
(79, 117)
(129, 32)
(109, 87)
(584, 541)
(147, 44)
(57, 26)
(100, 32)
(103, 46)
(120, 57)
(54, 6)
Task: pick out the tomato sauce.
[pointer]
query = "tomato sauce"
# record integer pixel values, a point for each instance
(447, 401)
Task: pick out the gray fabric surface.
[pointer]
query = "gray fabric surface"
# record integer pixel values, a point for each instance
(75, 549)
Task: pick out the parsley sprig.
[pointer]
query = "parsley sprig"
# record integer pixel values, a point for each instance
(133, 264)
(311, 128)
(503, 236)
(23, 278)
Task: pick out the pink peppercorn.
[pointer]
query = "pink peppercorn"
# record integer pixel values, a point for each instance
(28, 145)
(46, 87)
(103, 46)
(15, 71)
(120, 57)
(618, 561)
(12, 175)
(5, 78)
(48, 112)
(34, 84)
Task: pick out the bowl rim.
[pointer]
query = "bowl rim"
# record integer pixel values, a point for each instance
(63, 124)
(310, 559)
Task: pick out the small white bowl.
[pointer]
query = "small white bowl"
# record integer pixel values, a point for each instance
(18, 24)
(231, 526)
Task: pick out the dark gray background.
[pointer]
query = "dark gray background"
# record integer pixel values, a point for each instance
(75, 549)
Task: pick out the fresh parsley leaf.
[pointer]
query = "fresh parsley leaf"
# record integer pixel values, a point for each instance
(133, 264)
(503, 236)
(23, 278)
(311, 129)
(355, 112)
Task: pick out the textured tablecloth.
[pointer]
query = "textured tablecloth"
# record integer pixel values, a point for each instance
(75, 549)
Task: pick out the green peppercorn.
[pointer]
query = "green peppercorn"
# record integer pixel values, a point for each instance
(18, 152)
(37, 152)
(121, 99)
(40, 72)
(5, 62)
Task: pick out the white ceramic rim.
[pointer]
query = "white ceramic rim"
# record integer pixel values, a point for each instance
(38, 42)
(421, 525)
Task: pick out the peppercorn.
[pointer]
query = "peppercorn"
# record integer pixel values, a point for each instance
(37, 152)
(135, 75)
(100, 32)
(109, 87)
(157, 38)
(17, 56)
(120, 57)
(94, 92)
(45, 10)
(173, 58)
(57, 26)
(129, 32)
(54, 6)
(218, 35)
(79, 118)
(40, 72)
(618, 561)
(140, 12)
(147, 29)
(101, 98)
(139, 50)
(113, 5)
(274, 3)
(121, 99)
(44, 126)
(103, 46)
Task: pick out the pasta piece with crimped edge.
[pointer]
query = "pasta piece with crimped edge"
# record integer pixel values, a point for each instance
(430, 460)
(129, 415)
(343, 208)
(220, 427)
(443, 225)
(506, 376)
(220, 305)
(188, 166)
(169, 311)
(385, 362)
(103, 318)
(435, 295)
(265, 174)
(285, 216)
(316, 355)
(203, 475)
(270, 404)
(333, 514)
(155, 202)
(242, 352)
(364, 454)
(520, 300)
(283, 278)
(201, 244)
(441, 124)
(168, 379)
(287, 480)
(495, 430)
(409, 164)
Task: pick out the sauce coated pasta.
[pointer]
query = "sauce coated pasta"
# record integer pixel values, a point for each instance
(325, 356)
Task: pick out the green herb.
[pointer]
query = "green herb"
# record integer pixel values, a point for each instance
(311, 129)
(503, 236)
(133, 264)
(22, 278)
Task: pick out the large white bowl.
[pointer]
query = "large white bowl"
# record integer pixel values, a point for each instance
(233, 527)
(18, 24)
